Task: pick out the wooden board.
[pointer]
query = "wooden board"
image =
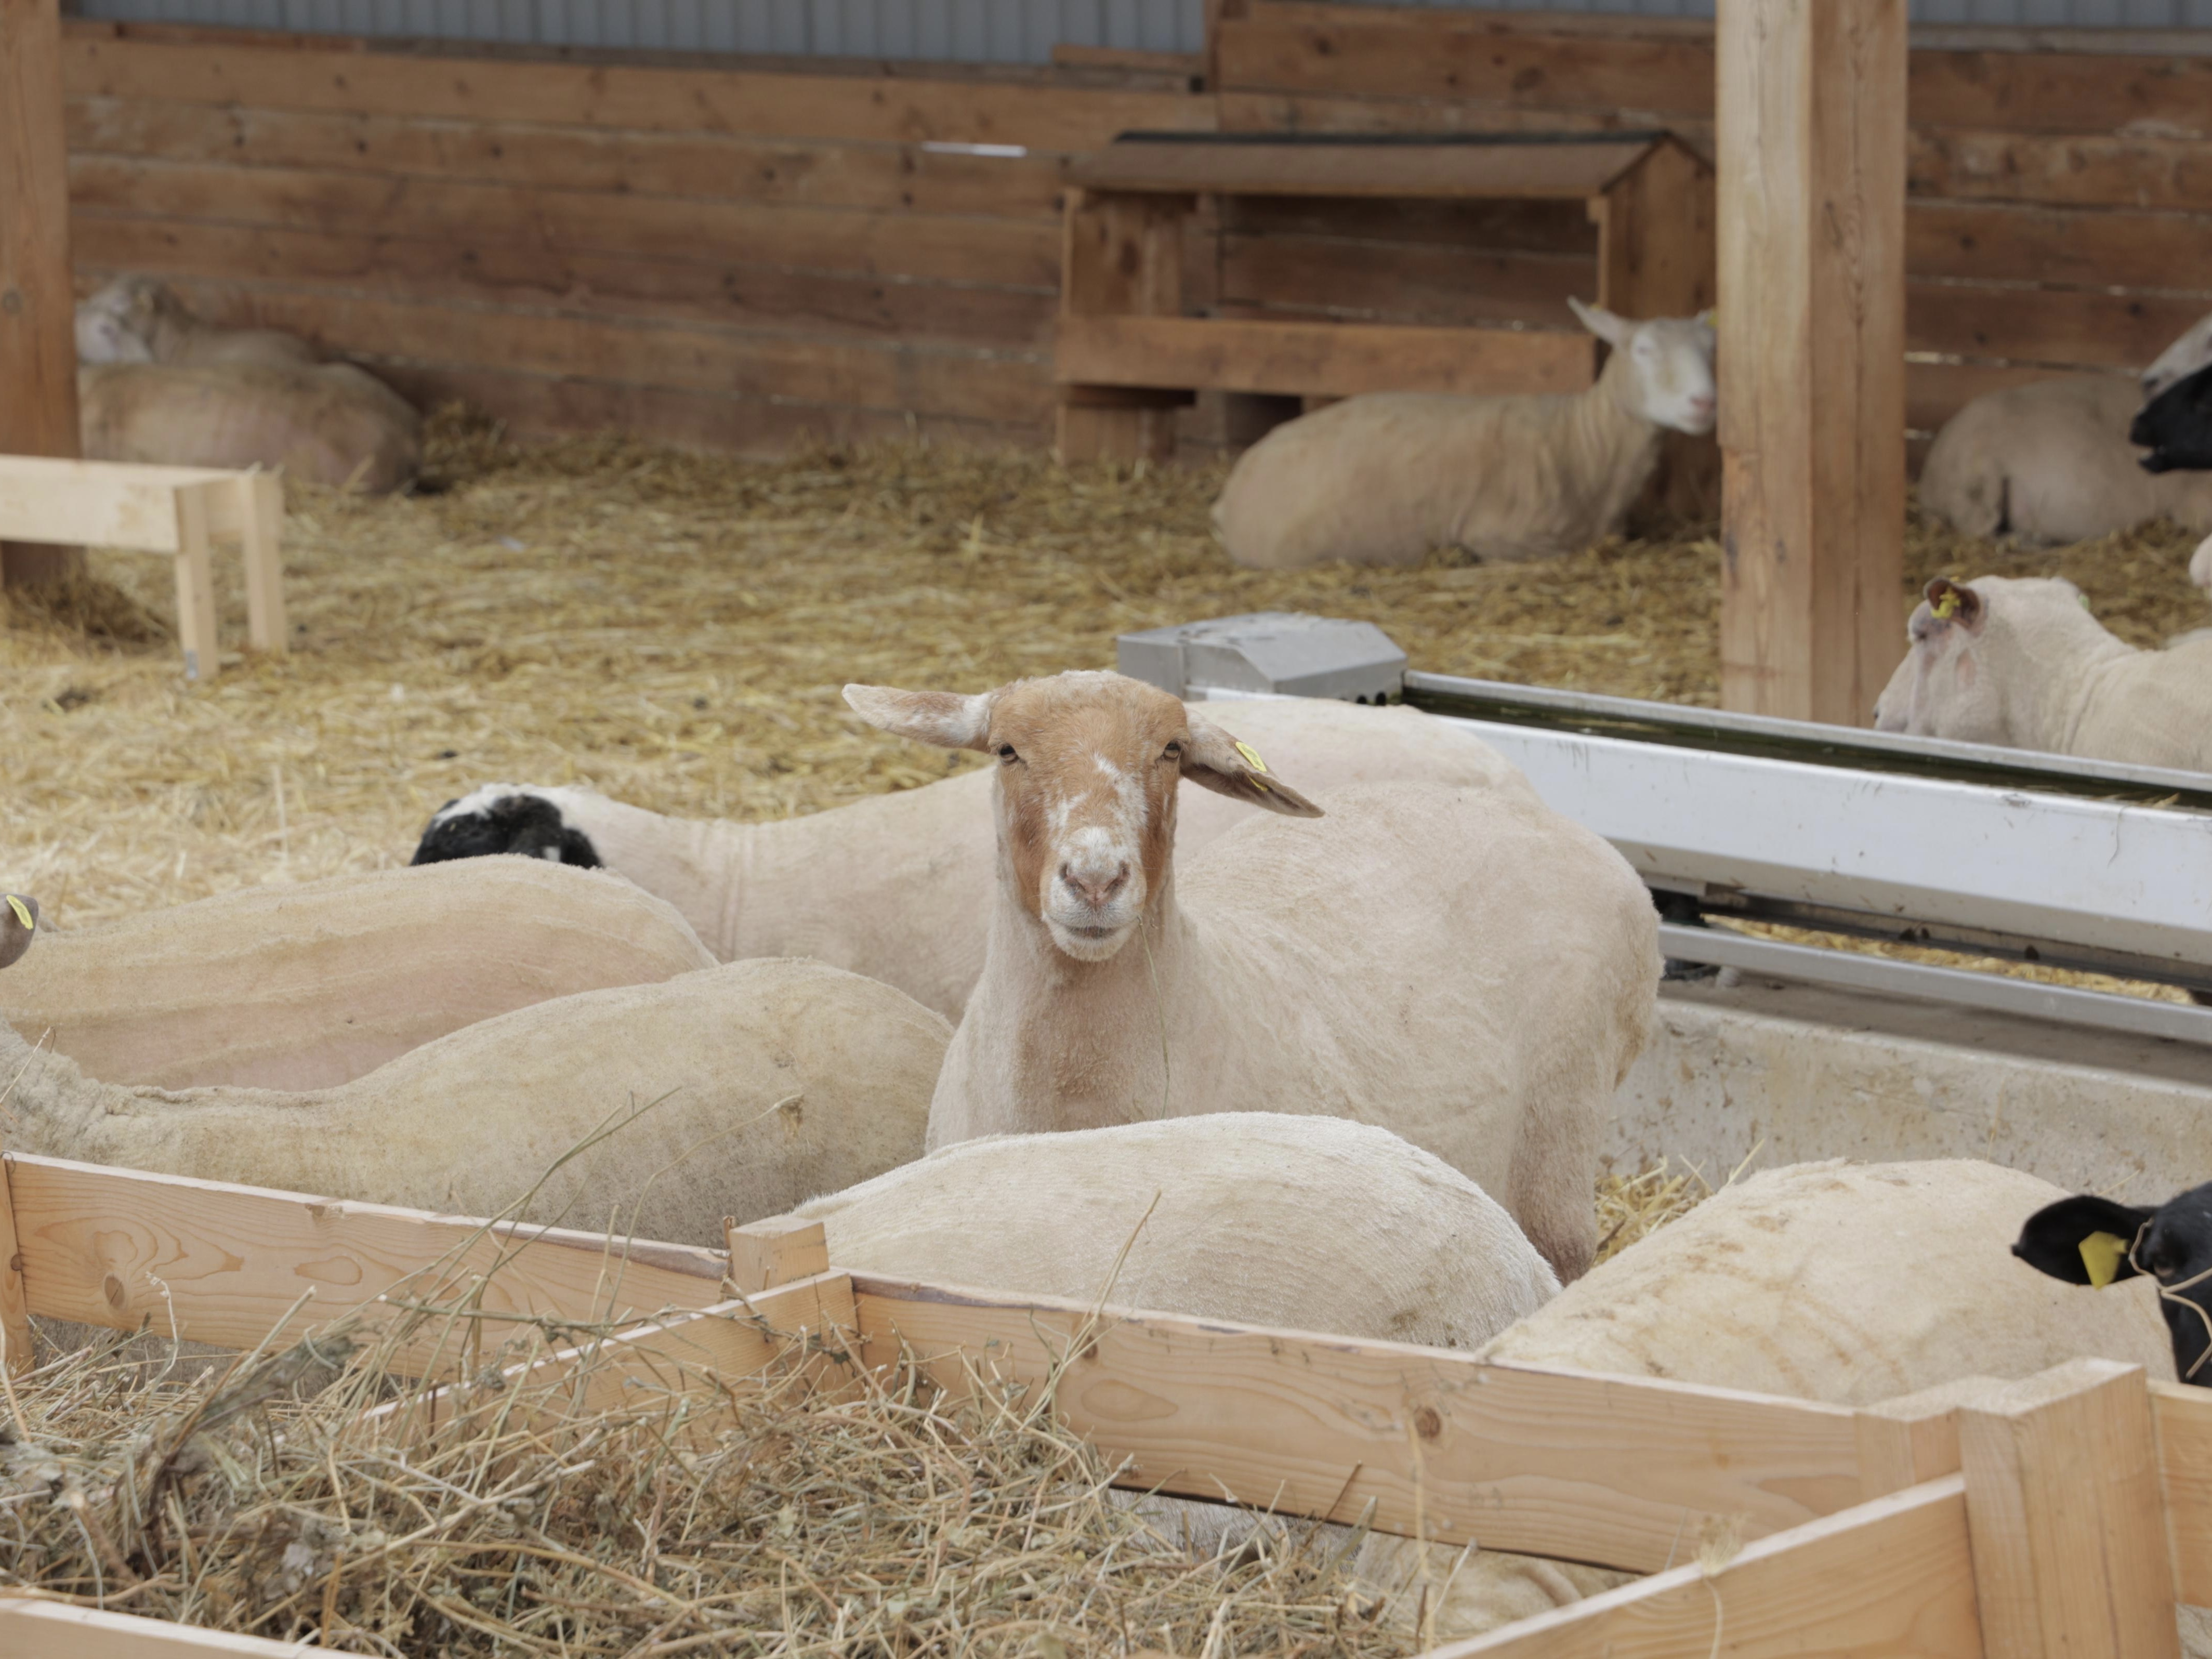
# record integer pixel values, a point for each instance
(2061, 169)
(1891, 1577)
(110, 503)
(228, 1264)
(2182, 1416)
(1316, 358)
(1594, 1468)
(1421, 284)
(1575, 171)
(52, 1630)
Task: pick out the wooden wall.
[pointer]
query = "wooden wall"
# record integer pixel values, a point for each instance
(730, 252)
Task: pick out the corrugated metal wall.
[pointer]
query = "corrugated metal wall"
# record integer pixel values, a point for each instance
(963, 30)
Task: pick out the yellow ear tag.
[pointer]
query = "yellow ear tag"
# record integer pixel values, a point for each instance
(2102, 1254)
(22, 911)
(1947, 606)
(1251, 757)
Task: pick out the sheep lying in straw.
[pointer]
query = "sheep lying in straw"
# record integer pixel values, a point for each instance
(140, 319)
(309, 986)
(1456, 963)
(734, 1091)
(2050, 462)
(2022, 663)
(899, 887)
(1386, 479)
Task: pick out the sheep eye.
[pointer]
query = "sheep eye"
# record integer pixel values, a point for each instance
(1006, 753)
(1174, 751)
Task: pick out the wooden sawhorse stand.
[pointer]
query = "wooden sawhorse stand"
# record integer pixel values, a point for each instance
(180, 510)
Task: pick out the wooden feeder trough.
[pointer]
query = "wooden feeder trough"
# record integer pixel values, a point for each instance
(2059, 1515)
(1126, 356)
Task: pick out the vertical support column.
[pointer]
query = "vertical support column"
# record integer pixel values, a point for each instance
(15, 1305)
(261, 522)
(1810, 134)
(1121, 256)
(196, 582)
(38, 310)
(1656, 258)
(2068, 1518)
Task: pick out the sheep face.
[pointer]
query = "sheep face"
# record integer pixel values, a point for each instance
(2191, 352)
(116, 324)
(2176, 426)
(2096, 1242)
(1669, 363)
(1941, 689)
(19, 922)
(1087, 768)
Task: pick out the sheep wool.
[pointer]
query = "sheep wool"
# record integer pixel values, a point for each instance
(310, 986)
(737, 1090)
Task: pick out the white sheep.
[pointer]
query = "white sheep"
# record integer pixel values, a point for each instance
(2200, 566)
(1412, 1251)
(1456, 963)
(898, 887)
(308, 985)
(2188, 354)
(1387, 477)
(2050, 462)
(2022, 663)
(140, 319)
(740, 1089)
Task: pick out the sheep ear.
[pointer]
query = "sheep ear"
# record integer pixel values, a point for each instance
(944, 718)
(1955, 602)
(1214, 760)
(1612, 329)
(2082, 1240)
(19, 922)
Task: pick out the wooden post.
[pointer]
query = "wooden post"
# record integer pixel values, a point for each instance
(15, 1347)
(773, 1251)
(196, 582)
(261, 523)
(1810, 136)
(2068, 1520)
(38, 309)
(1120, 255)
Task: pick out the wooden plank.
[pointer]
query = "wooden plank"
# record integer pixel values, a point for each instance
(1812, 350)
(2071, 169)
(703, 165)
(728, 292)
(260, 497)
(17, 1352)
(2182, 1416)
(1009, 252)
(1608, 1469)
(1574, 170)
(1321, 277)
(775, 1251)
(195, 631)
(1891, 1578)
(1120, 255)
(1290, 111)
(2105, 247)
(1338, 359)
(2047, 325)
(119, 1248)
(86, 501)
(1476, 227)
(31, 1629)
(852, 108)
(38, 340)
(2070, 1556)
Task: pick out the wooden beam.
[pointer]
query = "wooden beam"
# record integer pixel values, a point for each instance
(1121, 256)
(2070, 1554)
(17, 1348)
(1617, 1470)
(2183, 1416)
(774, 1250)
(38, 307)
(53, 1630)
(1334, 359)
(1537, 168)
(1811, 141)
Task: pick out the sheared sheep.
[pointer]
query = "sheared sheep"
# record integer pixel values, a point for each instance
(2021, 662)
(1387, 477)
(1456, 963)
(310, 985)
(734, 1091)
(2176, 426)
(330, 422)
(899, 887)
(2050, 462)
(140, 319)
(2188, 354)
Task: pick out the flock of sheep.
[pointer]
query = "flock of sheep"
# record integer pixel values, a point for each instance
(1342, 1066)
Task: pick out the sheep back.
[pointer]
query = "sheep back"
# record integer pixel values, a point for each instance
(1306, 1223)
(1846, 1283)
(2049, 462)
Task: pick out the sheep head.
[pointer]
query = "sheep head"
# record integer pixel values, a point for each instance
(2191, 352)
(19, 922)
(1088, 765)
(1665, 365)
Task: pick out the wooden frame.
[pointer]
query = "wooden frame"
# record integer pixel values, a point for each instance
(1125, 356)
(2062, 1515)
(178, 510)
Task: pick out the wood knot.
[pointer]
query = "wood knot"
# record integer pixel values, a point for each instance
(112, 1288)
(1427, 1424)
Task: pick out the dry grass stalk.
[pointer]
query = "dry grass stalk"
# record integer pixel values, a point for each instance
(1633, 1206)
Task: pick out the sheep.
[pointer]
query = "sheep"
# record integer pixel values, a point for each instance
(140, 319)
(1454, 962)
(2050, 462)
(330, 423)
(310, 986)
(1387, 477)
(2176, 426)
(2021, 662)
(734, 1091)
(1415, 1251)
(899, 887)
(2200, 566)
(2188, 354)
(19, 921)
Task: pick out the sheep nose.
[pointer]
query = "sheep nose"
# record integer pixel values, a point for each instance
(1701, 407)
(1094, 887)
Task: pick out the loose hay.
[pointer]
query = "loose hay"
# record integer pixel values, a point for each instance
(832, 1510)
